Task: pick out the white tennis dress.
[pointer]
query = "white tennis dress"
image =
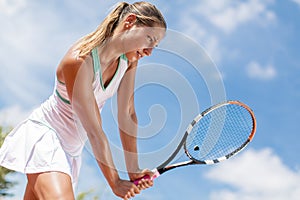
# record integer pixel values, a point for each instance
(52, 139)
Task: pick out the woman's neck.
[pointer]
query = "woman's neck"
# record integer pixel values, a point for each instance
(110, 51)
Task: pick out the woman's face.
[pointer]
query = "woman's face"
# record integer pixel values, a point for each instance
(139, 41)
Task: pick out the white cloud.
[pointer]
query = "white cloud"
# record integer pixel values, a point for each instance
(24, 52)
(198, 32)
(256, 71)
(11, 116)
(10, 7)
(206, 20)
(297, 2)
(34, 36)
(255, 175)
(228, 15)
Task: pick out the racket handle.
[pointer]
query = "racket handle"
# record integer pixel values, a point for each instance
(156, 174)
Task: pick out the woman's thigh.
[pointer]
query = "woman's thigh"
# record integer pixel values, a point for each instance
(50, 185)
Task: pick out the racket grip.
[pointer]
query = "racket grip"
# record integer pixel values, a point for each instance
(156, 174)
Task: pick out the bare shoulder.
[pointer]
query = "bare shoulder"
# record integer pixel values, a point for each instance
(71, 63)
(73, 59)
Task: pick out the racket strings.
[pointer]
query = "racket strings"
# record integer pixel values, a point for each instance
(219, 132)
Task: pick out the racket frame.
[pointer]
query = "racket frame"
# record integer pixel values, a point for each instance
(165, 167)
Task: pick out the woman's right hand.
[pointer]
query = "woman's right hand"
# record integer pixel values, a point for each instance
(125, 189)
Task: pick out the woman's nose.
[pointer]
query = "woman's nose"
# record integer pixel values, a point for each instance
(147, 51)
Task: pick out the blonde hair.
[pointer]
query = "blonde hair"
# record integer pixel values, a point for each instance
(146, 15)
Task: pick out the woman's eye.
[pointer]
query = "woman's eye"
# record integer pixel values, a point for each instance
(153, 41)
(149, 38)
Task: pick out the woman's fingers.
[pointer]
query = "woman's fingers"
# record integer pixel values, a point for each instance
(145, 183)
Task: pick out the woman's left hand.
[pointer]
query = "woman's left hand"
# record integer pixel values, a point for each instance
(143, 183)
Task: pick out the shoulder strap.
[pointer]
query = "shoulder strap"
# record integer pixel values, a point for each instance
(96, 60)
(123, 56)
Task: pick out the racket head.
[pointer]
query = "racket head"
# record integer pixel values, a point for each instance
(220, 132)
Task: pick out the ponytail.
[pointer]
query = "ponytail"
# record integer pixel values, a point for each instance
(103, 31)
(147, 14)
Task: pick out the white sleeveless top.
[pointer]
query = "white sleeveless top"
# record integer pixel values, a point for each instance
(57, 111)
(56, 116)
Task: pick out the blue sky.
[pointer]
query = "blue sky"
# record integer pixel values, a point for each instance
(252, 45)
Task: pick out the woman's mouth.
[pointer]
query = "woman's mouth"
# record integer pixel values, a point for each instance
(139, 54)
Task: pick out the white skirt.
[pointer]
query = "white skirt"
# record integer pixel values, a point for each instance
(33, 147)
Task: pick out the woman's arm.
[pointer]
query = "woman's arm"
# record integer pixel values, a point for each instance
(127, 119)
(77, 73)
(128, 125)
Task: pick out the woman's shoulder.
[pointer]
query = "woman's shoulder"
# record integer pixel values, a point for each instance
(72, 57)
(71, 62)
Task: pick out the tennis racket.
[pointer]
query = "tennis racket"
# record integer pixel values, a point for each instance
(215, 135)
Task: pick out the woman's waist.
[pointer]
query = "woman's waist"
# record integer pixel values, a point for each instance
(64, 123)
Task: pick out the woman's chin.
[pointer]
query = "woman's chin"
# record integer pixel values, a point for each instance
(132, 58)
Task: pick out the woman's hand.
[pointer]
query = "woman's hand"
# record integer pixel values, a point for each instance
(125, 189)
(142, 183)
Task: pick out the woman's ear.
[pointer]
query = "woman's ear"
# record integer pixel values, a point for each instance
(129, 21)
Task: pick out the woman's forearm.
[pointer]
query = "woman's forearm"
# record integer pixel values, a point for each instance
(127, 119)
(103, 155)
(128, 135)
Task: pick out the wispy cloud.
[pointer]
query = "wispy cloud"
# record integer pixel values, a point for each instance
(11, 7)
(11, 116)
(256, 175)
(257, 71)
(297, 2)
(207, 21)
(23, 53)
(228, 15)
(194, 27)
(34, 36)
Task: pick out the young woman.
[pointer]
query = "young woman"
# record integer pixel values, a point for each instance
(47, 146)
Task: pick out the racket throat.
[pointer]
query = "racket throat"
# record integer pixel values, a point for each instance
(173, 166)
